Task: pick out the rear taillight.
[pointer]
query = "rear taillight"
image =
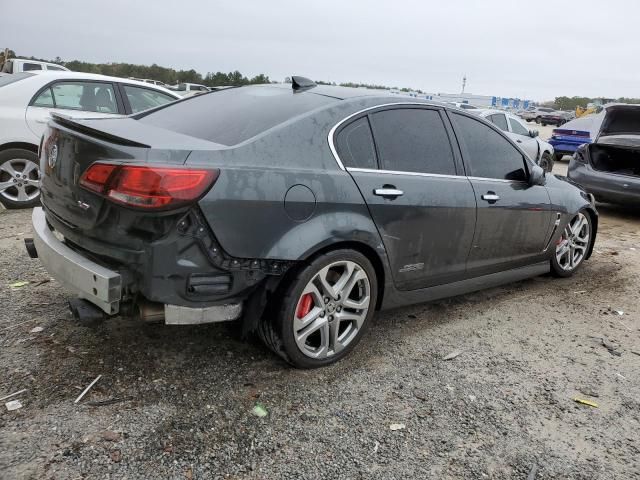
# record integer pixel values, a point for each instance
(150, 187)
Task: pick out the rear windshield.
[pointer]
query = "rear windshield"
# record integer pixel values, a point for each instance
(13, 78)
(231, 116)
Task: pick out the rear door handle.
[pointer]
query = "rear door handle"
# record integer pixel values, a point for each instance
(388, 191)
(491, 197)
(519, 141)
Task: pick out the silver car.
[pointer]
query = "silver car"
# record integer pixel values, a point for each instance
(538, 150)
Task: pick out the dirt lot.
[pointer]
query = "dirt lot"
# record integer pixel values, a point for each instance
(503, 409)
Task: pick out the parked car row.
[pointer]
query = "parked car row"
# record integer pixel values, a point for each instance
(298, 209)
(27, 102)
(546, 116)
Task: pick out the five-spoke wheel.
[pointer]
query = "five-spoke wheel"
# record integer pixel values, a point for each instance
(325, 309)
(573, 245)
(19, 178)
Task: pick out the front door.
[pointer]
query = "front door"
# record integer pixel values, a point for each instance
(425, 212)
(514, 218)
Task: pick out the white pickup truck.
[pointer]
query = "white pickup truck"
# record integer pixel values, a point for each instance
(17, 65)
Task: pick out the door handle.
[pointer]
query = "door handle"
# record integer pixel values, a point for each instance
(491, 197)
(519, 141)
(388, 191)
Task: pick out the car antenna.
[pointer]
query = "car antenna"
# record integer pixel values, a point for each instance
(299, 83)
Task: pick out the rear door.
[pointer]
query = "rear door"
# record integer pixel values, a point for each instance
(514, 218)
(409, 176)
(74, 98)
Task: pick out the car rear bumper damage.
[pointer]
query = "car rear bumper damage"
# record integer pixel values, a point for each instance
(103, 286)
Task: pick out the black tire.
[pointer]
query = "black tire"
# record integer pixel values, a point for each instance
(14, 155)
(544, 124)
(546, 162)
(538, 120)
(556, 269)
(277, 332)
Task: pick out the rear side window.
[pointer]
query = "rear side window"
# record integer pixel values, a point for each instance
(355, 145)
(500, 121)
(45, 99)
(231, 116)
(144, 98)
(27, 67)
(57, 69)
(413, 140)
(486, 153)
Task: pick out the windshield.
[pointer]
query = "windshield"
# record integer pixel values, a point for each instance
(231, 116)
(13, 78)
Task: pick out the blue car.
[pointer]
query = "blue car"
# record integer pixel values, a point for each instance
(567, 139)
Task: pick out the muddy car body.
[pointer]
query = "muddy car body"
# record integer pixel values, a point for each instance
(609, 168)
(304, 208)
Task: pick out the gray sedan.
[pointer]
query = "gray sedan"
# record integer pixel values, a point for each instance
(298, 210)
(609, 168)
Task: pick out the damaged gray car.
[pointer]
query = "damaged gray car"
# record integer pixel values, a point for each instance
(297, 209)
(609, 168)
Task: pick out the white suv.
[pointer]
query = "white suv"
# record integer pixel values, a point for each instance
(26, 103)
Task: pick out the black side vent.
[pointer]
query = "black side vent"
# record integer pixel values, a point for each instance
(205, 284)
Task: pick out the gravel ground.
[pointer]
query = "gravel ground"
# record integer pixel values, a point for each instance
(504, 408)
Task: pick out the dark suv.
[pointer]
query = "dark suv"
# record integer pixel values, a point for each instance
(300, 210)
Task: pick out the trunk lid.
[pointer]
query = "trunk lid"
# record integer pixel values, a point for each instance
(69, 147)
(621, 121)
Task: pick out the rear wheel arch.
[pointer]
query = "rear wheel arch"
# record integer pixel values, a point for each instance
(24, 145)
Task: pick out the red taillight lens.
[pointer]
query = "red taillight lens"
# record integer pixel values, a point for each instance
(96, 177)
(148, 186)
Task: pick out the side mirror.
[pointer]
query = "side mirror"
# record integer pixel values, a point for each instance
(534, 133)
(537, 176)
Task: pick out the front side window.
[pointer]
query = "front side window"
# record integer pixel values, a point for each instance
(45, 99)
(355, 145)
(517, 127)
(499, 120)
(29, 67)
(144, 98)
(488, 154)
(413, 140)
(85, 96)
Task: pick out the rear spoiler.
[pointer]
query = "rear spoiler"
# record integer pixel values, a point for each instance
(77, 125)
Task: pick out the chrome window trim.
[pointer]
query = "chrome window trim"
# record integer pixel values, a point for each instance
(502, 180)
(398, 172)
(337, 125)
(395, 172)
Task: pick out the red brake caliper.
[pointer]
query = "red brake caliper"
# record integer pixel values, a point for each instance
(305, 305)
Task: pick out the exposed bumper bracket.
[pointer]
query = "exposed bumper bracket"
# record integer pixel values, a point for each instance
(93, 282)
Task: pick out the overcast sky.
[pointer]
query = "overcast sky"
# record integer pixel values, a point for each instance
(534, 49)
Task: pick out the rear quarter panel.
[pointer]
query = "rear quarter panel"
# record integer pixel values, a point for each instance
(246, 208)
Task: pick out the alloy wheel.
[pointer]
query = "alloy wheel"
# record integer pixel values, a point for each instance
(572, 246)
(331, 309)
(19, 180)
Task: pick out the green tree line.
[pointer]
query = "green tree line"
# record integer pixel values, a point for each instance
(571, 103)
